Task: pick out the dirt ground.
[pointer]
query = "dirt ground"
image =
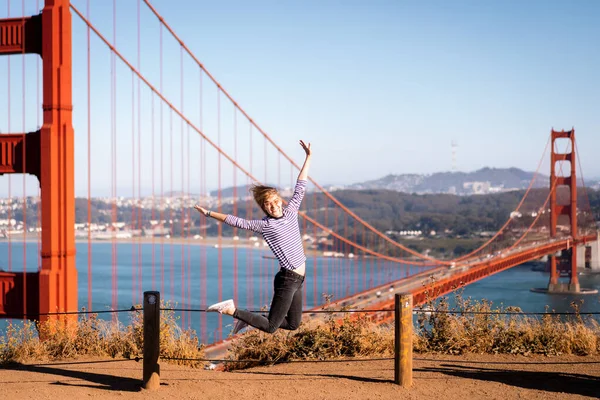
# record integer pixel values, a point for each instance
(434, 377)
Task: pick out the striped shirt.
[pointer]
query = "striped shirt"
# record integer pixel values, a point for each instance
(281, 234)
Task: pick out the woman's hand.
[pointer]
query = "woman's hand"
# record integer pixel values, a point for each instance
(305, 147)
(304, 171)
(202, 210)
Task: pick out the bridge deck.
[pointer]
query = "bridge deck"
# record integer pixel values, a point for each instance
(443, 280)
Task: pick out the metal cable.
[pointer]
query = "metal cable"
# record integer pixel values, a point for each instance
(18, 316)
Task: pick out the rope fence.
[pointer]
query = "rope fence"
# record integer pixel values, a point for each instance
(403, 334)
(82, 312)
(268, 362)
(500, 312)
(415, 311)
(323, 311)
(403, 328)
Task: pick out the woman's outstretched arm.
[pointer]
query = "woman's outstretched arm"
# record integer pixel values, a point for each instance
(300, 189)
(212, 214)
(304, 171)
(255, 225)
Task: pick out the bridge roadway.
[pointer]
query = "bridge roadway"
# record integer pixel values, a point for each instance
(431, 283)
(439, 281)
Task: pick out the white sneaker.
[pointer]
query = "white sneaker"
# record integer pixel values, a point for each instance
(210, 366)
(239, 325)
(222, 306)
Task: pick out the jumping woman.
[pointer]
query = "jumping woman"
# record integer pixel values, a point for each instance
(281, 231)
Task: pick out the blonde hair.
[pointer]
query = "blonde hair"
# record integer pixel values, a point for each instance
(261, 193)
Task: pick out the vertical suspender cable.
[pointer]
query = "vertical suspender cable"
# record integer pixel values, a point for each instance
(394, 270)
(135, 285)
(363, 258)
(114, 160)
(335, 268)
(371, 275)
(250, 256)
(326, 260)
(304, 230)
(344, 271)
(171, 225)
(379, 266)
(153, 212)
(219, 209)
(349, 272)
(161, 210)
(408, 270)
(263, 265)
(316, 249)
(89, 166)
(355, 260)
(182, 235)
(371, 263)
(188, 226)
(339, 260)
(203, 222)
(383, 264)
(139, 125)
(341, 275)
(235, 230)
(378, 263)
(204, 233)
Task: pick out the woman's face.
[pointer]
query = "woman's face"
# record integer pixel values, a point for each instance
(273, 206)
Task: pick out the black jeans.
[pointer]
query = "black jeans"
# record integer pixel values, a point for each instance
(286, 307)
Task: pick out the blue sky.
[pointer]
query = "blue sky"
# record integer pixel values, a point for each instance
(377, 87)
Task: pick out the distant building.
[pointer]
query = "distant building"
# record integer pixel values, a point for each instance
(477, 187)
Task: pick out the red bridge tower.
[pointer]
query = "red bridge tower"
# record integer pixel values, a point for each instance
(569, 209)
(47, 154)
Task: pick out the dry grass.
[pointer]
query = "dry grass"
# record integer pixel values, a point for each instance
(91, 336)
(331, 339)
(477, 328)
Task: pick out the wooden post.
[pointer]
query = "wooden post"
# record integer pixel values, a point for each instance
(151, 340)
(403, 340)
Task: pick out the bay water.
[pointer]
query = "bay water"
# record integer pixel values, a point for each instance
(191, 276)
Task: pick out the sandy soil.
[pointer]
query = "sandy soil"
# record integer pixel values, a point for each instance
(435, 377)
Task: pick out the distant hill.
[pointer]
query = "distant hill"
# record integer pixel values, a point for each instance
(482, 181)
(242, 191)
